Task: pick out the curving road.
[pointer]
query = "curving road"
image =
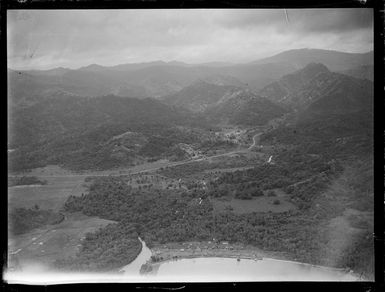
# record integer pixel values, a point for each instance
(255, 140)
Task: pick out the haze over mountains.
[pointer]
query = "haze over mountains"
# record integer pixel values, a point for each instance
(334, 60)
(156, 79)
(74, 113)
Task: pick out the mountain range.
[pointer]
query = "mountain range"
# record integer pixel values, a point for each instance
(100, 117)
(158, 78)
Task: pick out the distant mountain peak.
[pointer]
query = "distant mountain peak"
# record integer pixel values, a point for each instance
(317, 89)
(307, 73)
(316, 66)
(199, 82)
(92, 67)
(289, 89)
(334, 60)
(313, 69)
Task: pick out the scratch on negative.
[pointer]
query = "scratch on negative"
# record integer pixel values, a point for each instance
(287, 16)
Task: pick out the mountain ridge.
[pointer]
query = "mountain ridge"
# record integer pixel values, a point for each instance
(334, 60)
(315, 82)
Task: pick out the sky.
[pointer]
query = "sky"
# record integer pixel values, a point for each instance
(44, 39)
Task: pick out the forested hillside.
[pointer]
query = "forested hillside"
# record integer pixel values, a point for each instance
(321, 90)
(84, 133)
(244, 108)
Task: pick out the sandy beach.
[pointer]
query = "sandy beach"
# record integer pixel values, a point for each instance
(172, 251)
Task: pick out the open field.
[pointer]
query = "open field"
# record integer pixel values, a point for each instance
(45, 245)
(49, 196)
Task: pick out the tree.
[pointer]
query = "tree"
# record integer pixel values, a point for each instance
(257, 192)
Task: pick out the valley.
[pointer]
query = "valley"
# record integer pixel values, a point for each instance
(211, 165)
(59, 185)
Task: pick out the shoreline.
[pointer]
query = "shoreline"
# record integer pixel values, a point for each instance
(165, 253)
(162, 253)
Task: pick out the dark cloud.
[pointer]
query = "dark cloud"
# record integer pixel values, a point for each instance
(77, 38)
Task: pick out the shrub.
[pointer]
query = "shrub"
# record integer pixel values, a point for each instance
(257, 193)
(243, 196)
(277, 202)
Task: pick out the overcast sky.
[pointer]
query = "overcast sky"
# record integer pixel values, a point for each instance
(74, 38)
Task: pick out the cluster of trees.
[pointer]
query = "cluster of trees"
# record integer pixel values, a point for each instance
(247, 191)
(197, 168)
(242, 190)
(22, 220)
(185, 169)
(157, 216)
(303, 194)
(161, 216)
(169, 216)
(292, 166)
(335, 136)
(107, 249)
(359, 256)
(161, 142)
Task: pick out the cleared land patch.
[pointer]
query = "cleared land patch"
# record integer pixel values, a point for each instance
(49, 196)
(52, 242)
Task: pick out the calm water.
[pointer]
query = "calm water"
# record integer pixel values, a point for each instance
(229, 269)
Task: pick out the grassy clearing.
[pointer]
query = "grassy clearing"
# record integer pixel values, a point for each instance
(47, 170)
(52, 242)
(49, 196)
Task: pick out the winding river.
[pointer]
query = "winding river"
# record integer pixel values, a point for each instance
(133, 268)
